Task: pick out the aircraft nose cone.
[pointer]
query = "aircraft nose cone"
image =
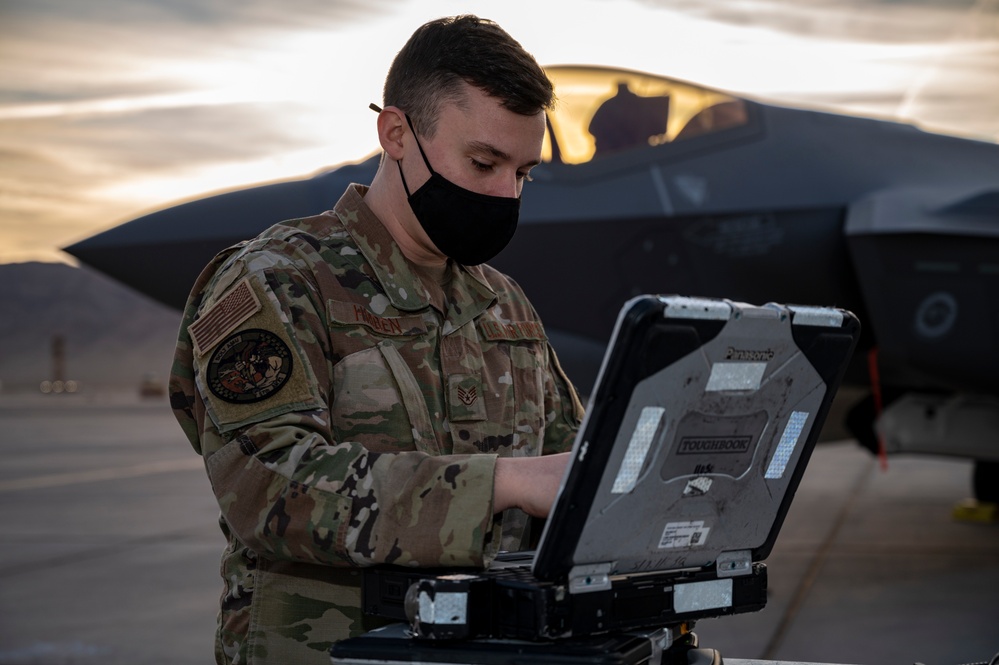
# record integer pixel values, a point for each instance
(163, 270)
(161, 254)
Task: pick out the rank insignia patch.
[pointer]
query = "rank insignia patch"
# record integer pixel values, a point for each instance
(249, 366)
(467, 396)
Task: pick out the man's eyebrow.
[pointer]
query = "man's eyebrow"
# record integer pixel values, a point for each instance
(497, 153)
(490, 149)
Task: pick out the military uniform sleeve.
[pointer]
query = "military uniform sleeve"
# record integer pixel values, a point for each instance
(262, 360)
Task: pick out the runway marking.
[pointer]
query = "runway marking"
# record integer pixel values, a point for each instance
(99, 475)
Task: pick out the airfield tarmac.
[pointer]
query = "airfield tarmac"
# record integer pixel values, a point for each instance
(110, 550)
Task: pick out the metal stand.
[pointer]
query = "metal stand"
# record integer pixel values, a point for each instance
(685, 651)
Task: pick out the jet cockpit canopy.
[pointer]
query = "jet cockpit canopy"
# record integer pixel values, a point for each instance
(602, 111)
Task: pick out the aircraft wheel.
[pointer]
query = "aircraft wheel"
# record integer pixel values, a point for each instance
(859, 422)
(985, 481)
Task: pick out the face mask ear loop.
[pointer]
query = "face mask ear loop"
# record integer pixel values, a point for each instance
(404, 185)
(423, 154)
(418, 145)
(378, 109)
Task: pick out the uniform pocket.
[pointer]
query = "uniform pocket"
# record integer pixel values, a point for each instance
(377, 402)
(299, 610)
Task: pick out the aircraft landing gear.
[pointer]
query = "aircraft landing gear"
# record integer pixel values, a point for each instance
(985, 481)
(960, 425)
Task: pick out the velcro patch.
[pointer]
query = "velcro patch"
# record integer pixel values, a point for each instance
(495, 331)
(257, 371)
(466, 401)
(224, 316)
(355, 314)
(249, 366)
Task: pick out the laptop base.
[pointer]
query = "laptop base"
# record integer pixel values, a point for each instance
(392, 645)
(511, 603)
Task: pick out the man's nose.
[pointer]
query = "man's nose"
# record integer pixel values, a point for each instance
(507, 185)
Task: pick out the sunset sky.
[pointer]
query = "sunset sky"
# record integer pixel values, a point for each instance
(112, 108)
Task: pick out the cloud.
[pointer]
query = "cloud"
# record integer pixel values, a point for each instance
(55, 50)
(97, 94)
(933, 62)
(55, 168)
(880, 21)
(157, 16)
(163, 139)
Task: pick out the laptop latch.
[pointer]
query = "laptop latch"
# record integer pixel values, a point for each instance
(589, 578)
(733, 564)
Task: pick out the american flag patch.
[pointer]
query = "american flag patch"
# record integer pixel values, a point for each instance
(237, 306)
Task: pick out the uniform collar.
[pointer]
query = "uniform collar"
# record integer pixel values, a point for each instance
(470, 292)
(470, 296)
(402, 286)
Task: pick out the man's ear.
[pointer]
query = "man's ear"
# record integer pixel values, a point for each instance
(392, 128)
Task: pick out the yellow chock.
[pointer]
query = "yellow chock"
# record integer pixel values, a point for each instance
(972, 510)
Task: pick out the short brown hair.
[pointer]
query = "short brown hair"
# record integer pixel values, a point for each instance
(444, 52)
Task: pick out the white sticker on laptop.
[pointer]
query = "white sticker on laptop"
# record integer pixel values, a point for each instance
(735, 376)
(638, 448)
(700, 596)
(443, 608)
(788, 442)
(697, 486)
(684, 534)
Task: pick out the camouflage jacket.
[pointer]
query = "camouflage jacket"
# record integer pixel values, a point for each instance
(350, 411)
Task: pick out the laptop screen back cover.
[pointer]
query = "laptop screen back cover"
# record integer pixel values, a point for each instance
(698, 431)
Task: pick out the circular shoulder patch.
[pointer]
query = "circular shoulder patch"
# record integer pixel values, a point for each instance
(249, 366)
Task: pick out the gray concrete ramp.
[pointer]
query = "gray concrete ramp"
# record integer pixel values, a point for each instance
(110, 550)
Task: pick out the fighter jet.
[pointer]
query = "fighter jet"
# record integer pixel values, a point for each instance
(654, 185)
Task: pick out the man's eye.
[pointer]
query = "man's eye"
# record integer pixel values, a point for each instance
(479, 166)
(526, 177)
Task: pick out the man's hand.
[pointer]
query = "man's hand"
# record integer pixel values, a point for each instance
(528, 483)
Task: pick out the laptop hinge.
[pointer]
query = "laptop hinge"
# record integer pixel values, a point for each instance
(682, 307)
(733, 564)
(816, 316)
(589, 578)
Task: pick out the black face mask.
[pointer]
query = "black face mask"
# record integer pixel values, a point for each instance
(465, 226)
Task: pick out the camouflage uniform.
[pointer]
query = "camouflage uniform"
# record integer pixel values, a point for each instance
(350, 412)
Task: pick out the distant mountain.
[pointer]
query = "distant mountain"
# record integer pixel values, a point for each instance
(112, 335)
